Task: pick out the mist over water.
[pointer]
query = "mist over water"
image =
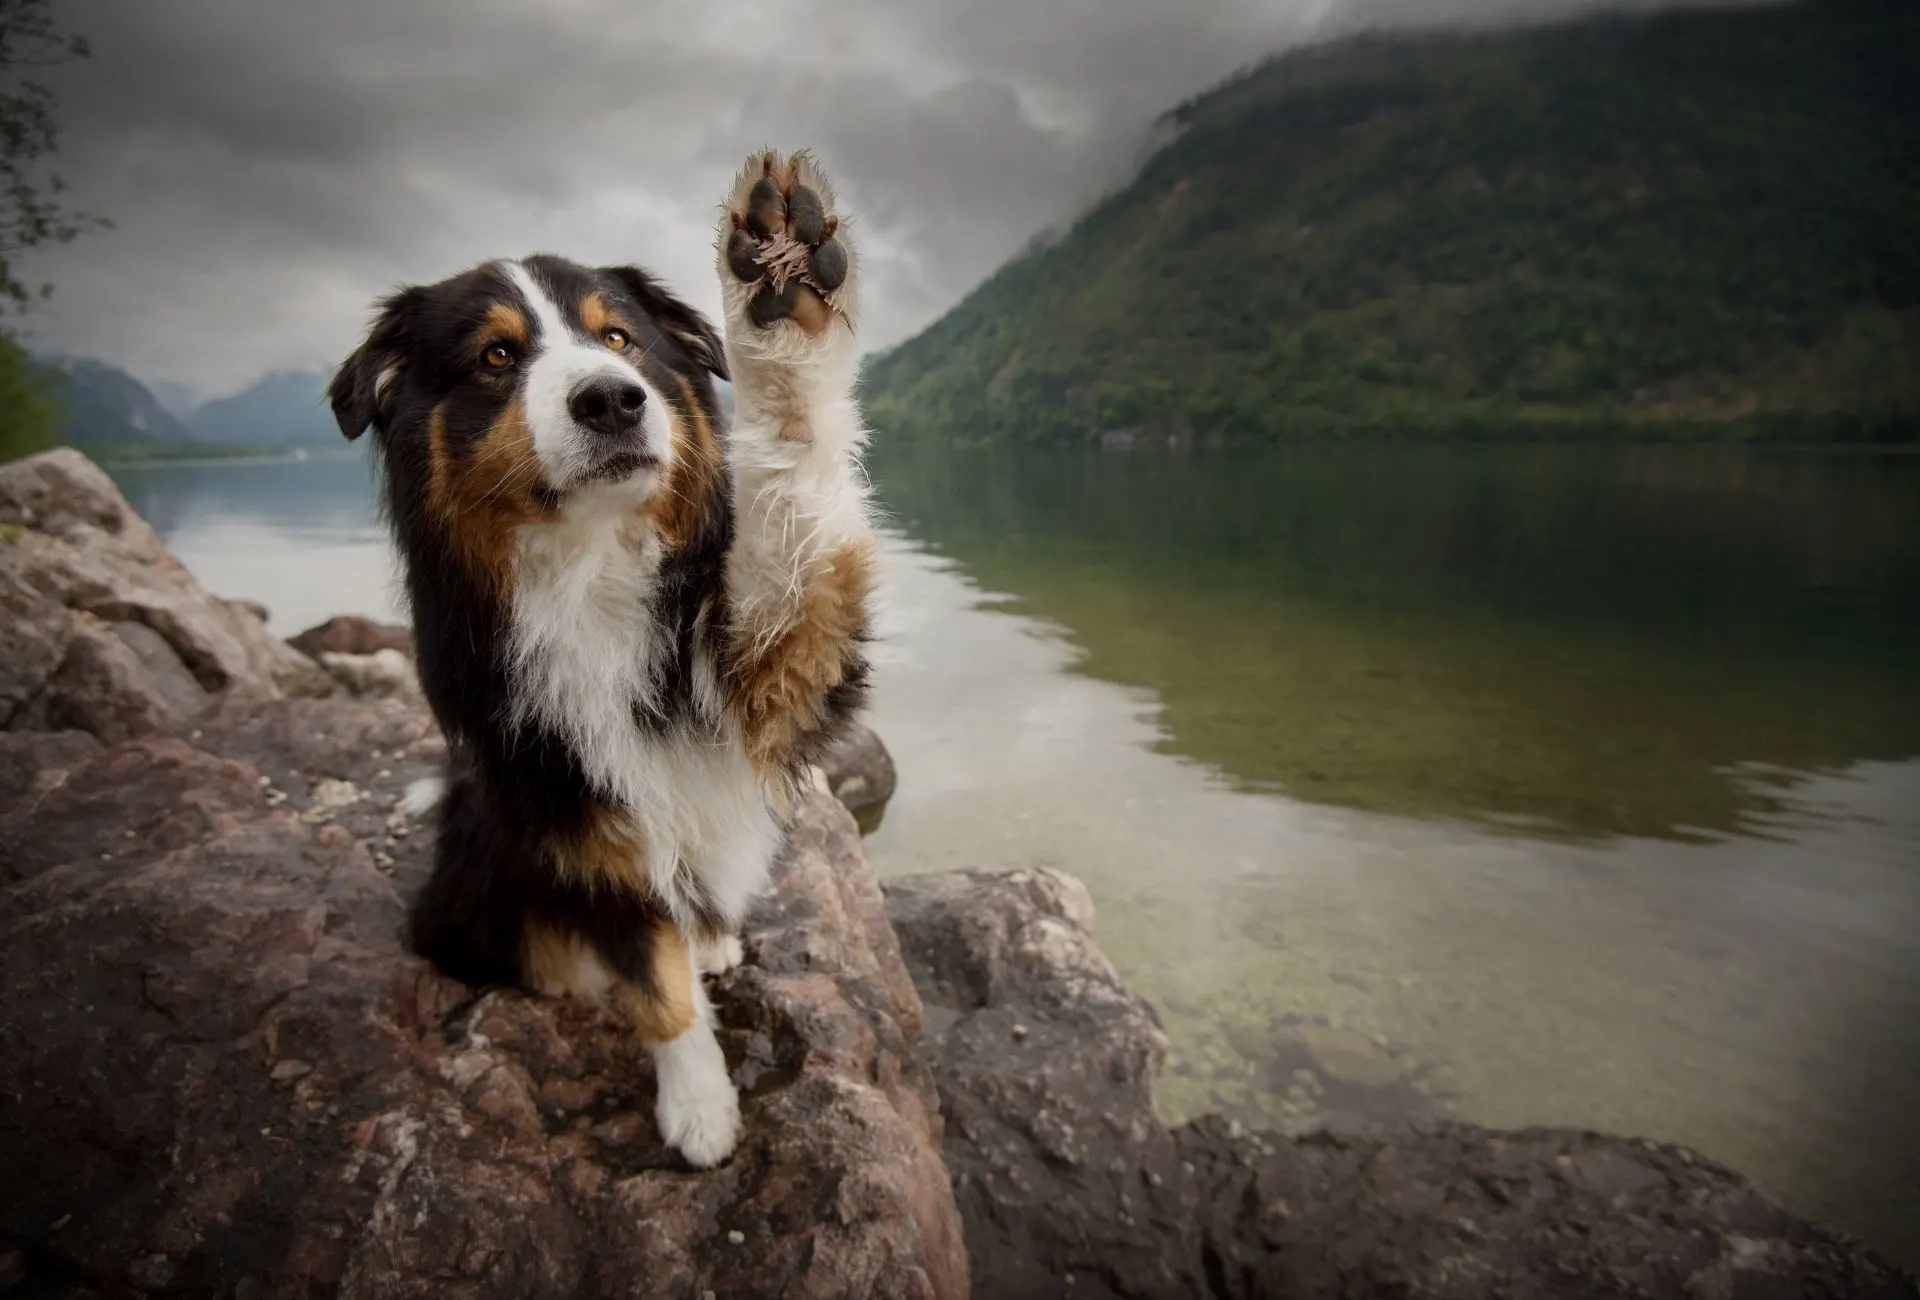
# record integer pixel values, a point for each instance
(1520, 785)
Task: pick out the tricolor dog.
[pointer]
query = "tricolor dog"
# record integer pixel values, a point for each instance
(636, 626)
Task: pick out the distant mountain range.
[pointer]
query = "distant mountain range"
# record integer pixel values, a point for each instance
(281, 408)
(102, 405)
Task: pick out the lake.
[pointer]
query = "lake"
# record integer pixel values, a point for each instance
(1523, 785)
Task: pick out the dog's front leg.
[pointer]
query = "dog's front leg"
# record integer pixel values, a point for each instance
(654, 977)
(801, 568)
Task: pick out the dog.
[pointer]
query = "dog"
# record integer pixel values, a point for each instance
(636, 625)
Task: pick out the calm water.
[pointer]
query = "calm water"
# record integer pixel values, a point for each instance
(1514, 784)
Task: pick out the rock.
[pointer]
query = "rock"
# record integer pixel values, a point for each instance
(34, 633)
(351, 634)
(1062, 1171)
(1349, 1057)
(1452, 1210)
(80, 572)
(113, 681)
(252, 609)
(382, 674)
(1051, 1139)
(32, 764)
(222, 1074)
(64, 494)
(861, 775)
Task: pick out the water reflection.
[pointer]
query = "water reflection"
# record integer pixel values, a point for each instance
(1558, 640)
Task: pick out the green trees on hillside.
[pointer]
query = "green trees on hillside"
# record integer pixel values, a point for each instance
(1692, 222)
(32, 209)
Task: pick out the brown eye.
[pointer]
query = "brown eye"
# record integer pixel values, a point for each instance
(497, 357)
(616, 339)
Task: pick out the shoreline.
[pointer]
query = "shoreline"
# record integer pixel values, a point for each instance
(208, 861)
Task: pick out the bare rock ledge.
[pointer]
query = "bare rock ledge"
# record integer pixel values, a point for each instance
(1070, 1186)
(221, 1074)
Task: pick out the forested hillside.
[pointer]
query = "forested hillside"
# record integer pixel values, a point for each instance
(1695, 223)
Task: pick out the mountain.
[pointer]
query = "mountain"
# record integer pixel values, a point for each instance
(103, 405)
(281, 408)
(1691, 223)
(177, 398)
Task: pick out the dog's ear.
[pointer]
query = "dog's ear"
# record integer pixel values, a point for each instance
(687, 327)
(361, 386)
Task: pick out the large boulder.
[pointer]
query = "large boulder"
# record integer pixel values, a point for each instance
(102, 630)
(1069, 1184)
(221, 1072)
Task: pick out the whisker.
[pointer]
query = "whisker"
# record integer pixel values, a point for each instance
(522, 471)
(511, 478)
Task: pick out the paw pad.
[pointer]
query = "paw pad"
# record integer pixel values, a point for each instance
(785, 241)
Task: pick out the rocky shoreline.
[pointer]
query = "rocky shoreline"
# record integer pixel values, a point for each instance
(222, 1075)
(1070, 1186)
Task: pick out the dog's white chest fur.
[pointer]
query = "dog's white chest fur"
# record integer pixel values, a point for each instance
(586, 653)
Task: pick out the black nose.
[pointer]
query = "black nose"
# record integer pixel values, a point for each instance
(607, 404)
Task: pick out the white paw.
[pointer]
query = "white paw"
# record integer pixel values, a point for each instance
(703, 1128)
(788, 270)
(698, 1110)
(718, 956)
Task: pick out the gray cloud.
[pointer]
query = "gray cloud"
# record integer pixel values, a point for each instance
(273, 166)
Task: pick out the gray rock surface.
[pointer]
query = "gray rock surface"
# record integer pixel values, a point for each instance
(251, 608)
(221, 1074)
(1069, 1185)
(861, 775)
(101, 629)
(353, 634)
(384, 674)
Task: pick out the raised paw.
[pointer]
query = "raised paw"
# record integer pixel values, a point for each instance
(783, 242)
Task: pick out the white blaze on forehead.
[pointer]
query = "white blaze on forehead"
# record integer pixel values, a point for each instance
(546, 312)
(557, 362)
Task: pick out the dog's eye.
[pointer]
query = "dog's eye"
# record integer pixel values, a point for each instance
(615, 339)
(497, 356)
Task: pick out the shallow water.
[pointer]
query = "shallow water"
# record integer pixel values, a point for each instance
(1521, 785)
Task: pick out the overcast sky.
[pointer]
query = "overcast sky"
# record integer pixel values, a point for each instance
(273, 165)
